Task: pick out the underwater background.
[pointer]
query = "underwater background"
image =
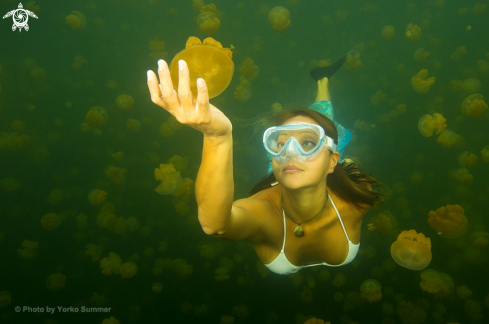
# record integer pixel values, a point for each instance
(76, 120)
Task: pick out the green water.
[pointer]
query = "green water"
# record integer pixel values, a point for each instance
(49, 164)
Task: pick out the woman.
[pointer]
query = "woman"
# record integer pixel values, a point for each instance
(298, 203)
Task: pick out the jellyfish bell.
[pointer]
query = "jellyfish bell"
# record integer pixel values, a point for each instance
(207, 60)
(412, 250)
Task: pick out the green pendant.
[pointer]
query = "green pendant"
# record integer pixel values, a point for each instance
(298, 231)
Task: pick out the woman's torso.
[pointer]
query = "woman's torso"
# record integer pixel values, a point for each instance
(324, 239)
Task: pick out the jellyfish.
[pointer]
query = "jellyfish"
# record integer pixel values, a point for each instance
(133, 125)
(471, 85)
(97, 197)
(166, 130)
(178, 162)
(437, 283)
(181, 268)
(427, 124)
(56, 281)
(243, 90)
(184, 189)
(474, 106)
(118, 156)
(467, 159)
(120, 226)
(463, 176)
(157, 287)
(116, 175)
(339, 280)
(412, 250)
(353, 61)
(383, 222)
(448, 138)
(448, 221)
(111, 320)
(371, 290)
(413, 32)
(276, 107)
(5, 298)
(10, 184)
(110, 265)
(485, 154)
(420, 83)
(459, 52)
(50, 221)
(128, 270)
(207, 60)
(421, 55)
(28, 250)
(463, 292)
(79, 62)
(96, 117)
(208, 19)
(387, 32)
(18, 125)
(249, 69)
(76, 20)
(169, 177)
(279, 17)
(124, 102)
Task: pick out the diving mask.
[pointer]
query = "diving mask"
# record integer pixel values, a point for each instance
(302, 141)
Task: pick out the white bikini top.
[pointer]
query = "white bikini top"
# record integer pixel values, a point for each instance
(281, 264)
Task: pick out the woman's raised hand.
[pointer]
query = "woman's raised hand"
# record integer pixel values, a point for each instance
(198, 114)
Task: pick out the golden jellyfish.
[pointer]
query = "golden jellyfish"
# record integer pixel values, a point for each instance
(315, 320)
(118, 156)
(133, 125)
(467, 159)
(50, 221)
(184, 189)
(276, 107)
(482, 67)
(249, 69)
(10, 184)
(427, 124)
(339, 280)
(279, 17)
(124, 102)
(353, 61)
(96, 117)
(128, 269)
(471, 85)
(383, 222)
(169, 177)
(463, 292)
(112, 84)
(80, 61)
(207, 60)
(413, 32)
(116, 175)
(448, 137)
(420, 55)
(5, 298)
(28, 250)
(371, 290)
(94, 251)
(412, 250)
(485, 154)
(459, 52)
(157, 287)
(56, 281)
(243, 90)
(437, 283)
(387, 32)
(178, 162)
(420, 83)
(76, 20)
(474, 106)
(448, 221)
(208, 19)
(18, 125)
(111, 320)
(97, 197)
(110, 265)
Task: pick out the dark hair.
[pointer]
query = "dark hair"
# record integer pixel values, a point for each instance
(348, 181)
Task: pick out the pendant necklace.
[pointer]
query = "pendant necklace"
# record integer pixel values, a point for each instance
(299, 231)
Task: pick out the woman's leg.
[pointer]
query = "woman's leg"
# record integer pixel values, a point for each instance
(323, 90)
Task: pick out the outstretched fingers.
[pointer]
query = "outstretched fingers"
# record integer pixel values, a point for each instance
(202, 96)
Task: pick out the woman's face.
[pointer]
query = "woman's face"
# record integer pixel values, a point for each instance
(294, 175)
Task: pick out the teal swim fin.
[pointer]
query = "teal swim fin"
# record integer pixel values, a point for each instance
(327, 71)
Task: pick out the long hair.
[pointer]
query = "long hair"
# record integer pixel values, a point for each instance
(347, 181)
